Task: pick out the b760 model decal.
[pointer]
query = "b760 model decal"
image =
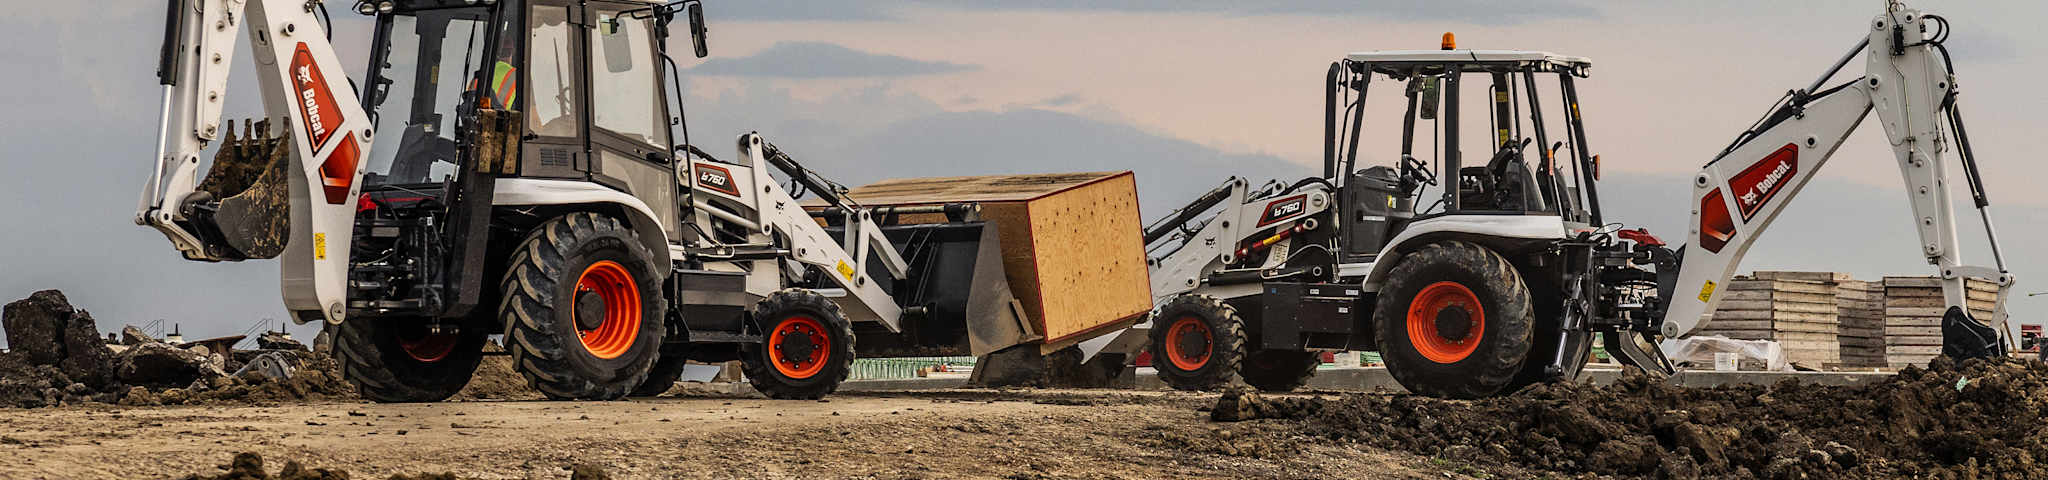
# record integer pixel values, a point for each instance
(1283, 209)
(1761, 182)
(717, 179)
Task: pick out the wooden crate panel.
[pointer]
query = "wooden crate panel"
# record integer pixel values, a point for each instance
(1068, 247)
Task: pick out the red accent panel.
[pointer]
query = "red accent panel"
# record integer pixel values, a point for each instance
(338, 172)
(1283, 209)
(1716, 226)
(317, 110)
(1761, 182)
(1641, 236)
(716, 178)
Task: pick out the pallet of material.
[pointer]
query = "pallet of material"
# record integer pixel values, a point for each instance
(1796, 309)
(1913, 307)
(1069, 244)
(1859, 313)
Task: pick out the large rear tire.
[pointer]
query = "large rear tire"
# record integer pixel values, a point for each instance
(1197, 343)
(399, 360)
(1454, 320)
(1279, 370)
(583, 308)
(806, 349)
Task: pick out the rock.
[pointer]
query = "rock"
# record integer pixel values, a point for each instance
(35, 326)
(164, 365)
(172, 396)
(585, 471)
(86, 356)
(132, 336)
(46, 329)
(278, 341)
(140, 397)
(22, 384)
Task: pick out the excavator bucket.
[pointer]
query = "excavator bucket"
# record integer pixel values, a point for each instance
(253, 215)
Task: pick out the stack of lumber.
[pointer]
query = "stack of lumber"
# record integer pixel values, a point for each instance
(1796, 309)
(1859, 312)
(1912, 316)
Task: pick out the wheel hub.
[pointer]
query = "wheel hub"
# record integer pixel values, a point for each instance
(590, 309)
(796, 345)
(1193, 343)
(1454, 323)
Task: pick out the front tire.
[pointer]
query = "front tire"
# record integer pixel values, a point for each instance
(806, 347)
(398, 360)
(1197, 343)
(1454, 321)
(583, 308)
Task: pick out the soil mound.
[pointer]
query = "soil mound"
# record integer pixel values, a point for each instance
(1977, 419)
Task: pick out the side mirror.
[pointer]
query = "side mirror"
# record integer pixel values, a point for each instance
(618, 47)
(697, 29)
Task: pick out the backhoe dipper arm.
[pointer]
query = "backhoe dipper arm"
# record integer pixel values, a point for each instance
(306, 91)
(1736, 196)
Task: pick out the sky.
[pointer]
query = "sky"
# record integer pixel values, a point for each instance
(1185, 93)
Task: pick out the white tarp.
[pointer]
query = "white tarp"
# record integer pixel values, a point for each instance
(1698, 352)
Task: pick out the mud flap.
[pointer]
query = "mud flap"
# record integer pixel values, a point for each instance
(1629, 348)
(1964, 338)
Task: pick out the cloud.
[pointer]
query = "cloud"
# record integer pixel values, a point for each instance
(1478, 12)
(799, 10)
(823, 60)
(1465, 11)
(1062, 100)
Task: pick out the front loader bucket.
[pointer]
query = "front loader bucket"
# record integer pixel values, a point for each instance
(253, 214)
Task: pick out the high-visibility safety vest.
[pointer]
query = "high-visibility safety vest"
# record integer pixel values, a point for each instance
(504, 85)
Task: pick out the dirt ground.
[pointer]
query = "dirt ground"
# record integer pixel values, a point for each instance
(928, 434)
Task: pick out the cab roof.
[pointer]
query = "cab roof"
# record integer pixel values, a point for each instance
(1470, 57)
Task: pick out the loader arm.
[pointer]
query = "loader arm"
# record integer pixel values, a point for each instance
(1737, 195)
(306, 92)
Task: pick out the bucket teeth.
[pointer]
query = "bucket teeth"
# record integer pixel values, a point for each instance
(252, 197)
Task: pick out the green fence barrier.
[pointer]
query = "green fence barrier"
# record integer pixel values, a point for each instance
(901, 368)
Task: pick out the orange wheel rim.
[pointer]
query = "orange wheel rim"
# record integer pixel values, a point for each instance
(1446, 322)
(611, 283)
(799, 346)
(1188, 343)
(430, 348)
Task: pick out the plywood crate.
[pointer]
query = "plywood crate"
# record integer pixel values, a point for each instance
(1796, 309)
(1859, 315)
(1070, 242)
(1913, 307)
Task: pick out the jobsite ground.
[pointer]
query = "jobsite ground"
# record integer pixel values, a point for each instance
(1975, 421)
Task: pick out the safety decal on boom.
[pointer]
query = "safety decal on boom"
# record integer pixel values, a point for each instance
(1283, 209)
(1757, 184)
(317, 109)
(1707, 290)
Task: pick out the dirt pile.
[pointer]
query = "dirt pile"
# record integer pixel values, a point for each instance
(249, 466)
(1980, 419)
(496, 380)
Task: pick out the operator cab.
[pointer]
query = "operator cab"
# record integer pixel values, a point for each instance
(467, 93)
(1537, 163)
